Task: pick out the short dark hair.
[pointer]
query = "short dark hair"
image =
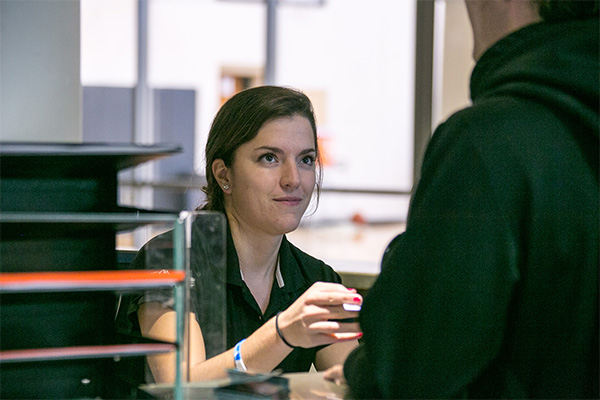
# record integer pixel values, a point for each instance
(566, 10)
(239, 120)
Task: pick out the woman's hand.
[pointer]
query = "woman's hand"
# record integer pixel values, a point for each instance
(312, 320)
(335, 374)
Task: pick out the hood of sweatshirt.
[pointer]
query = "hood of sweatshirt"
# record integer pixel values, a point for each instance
(556, 64)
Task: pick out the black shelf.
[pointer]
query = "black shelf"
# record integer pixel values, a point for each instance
(59, 215)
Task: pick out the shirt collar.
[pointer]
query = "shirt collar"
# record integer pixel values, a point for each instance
(291, 270)
(287, 273)
(278, 276)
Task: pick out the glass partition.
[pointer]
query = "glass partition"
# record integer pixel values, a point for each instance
(207, 271)
(197, 244)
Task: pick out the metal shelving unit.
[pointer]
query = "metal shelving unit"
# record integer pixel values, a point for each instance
(59, 275)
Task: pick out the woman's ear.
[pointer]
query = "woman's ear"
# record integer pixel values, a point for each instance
(221, 174)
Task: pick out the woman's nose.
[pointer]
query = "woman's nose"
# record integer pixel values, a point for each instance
(290, 176)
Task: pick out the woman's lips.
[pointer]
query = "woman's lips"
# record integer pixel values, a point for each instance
(292, 201)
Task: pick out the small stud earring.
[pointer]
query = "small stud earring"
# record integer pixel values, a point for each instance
(226, 187)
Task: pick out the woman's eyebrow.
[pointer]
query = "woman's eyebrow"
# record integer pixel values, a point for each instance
(269, 148)
(277, 150)
(308, 151)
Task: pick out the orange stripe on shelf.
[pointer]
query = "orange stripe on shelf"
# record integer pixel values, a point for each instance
(92, 276)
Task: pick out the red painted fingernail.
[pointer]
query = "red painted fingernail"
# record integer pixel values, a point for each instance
(360, 335)
(357, 299)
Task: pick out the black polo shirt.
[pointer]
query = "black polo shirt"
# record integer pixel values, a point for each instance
(298, 272)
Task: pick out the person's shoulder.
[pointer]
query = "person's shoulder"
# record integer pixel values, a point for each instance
(491, 121)
(312, 267)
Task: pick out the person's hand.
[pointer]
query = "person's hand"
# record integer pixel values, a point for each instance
(312, 320)
(335, 374)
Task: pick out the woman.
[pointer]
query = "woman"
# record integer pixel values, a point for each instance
(261, 170)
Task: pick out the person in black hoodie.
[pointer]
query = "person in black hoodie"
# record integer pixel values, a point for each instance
(492, 290)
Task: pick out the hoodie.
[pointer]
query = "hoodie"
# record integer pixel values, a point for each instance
(492, 290)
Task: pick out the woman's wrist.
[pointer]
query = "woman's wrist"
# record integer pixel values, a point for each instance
(280, 333)
(237, 357)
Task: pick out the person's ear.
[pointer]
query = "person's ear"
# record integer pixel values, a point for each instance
(221, 174)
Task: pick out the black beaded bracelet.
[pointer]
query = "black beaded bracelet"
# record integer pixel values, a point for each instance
(281, 334)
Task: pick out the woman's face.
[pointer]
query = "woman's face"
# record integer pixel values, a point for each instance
(272, 177)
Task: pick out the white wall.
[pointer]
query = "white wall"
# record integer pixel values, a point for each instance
(453, 59)
(361, 54)
(109, 43)
(40, 89)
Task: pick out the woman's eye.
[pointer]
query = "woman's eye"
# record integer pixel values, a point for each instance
(308, 160)
(270, 158)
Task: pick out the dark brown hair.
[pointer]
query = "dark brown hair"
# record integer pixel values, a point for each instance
(239, 120)
(566, 10)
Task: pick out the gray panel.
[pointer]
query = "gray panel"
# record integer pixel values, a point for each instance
(174, 122)
(107, 115)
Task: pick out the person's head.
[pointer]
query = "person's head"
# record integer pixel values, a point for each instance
(239, 122)
(491, 20)
(566, 10)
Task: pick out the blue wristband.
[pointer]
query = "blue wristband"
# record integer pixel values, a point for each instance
(237, 357)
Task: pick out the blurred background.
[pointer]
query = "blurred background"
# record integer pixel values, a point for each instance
(380, 73)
